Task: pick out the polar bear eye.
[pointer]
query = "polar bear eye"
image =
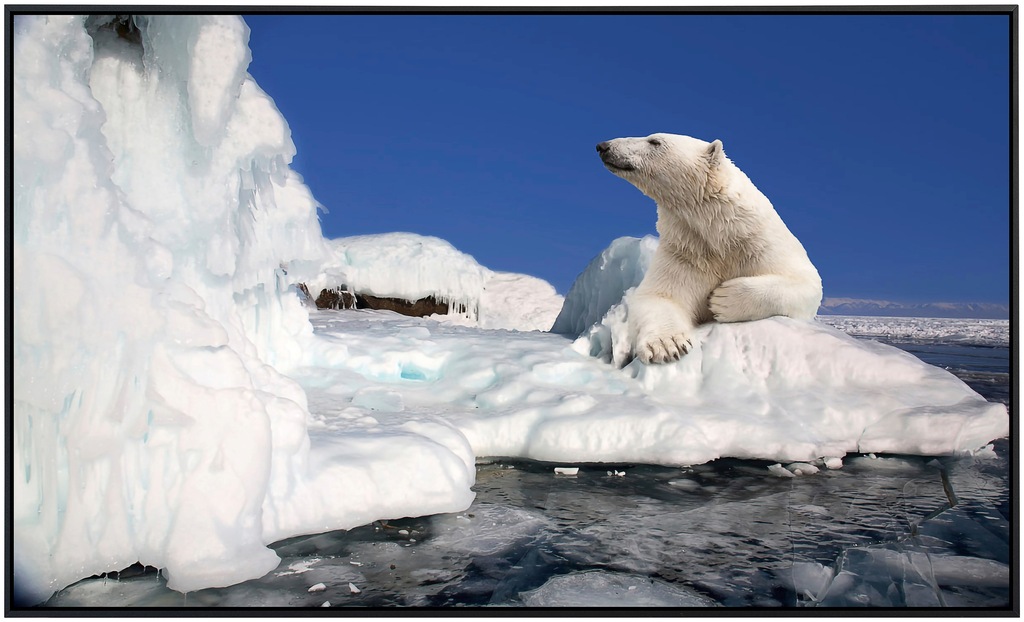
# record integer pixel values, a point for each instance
(654, 141)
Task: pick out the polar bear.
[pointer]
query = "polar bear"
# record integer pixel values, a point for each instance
(725, 253)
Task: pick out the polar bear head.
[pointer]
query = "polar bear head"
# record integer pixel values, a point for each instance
(664, 165)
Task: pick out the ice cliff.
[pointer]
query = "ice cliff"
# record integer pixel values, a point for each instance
(158, 232)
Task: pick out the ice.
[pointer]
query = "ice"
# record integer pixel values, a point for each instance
(780, 471)
(811, 580)
(802, 468)
(833, 463)
(776, 389)
(601, 285)
(934, 330)
(158, 238)
(608, 589)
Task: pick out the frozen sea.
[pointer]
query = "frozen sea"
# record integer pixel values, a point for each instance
(882, 531)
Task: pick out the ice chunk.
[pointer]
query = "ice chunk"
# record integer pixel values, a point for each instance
(884, 578)
(492, 529)
(969, 571)
(603, 282)
(802, 468)
(811, 579)
(609, 589)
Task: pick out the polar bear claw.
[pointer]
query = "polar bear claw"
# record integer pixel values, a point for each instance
(655, 349)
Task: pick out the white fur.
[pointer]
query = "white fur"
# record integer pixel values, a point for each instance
(724, 253)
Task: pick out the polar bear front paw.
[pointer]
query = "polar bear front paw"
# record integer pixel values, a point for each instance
(737, 300)
(663, 349)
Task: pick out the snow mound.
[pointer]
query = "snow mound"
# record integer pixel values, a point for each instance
(410, 266)
(512, 301)
(602, 283)
(404, 265)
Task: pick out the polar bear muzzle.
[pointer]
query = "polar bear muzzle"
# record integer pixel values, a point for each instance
(613, 160)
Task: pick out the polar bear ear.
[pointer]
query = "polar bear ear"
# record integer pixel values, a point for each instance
(715, 154)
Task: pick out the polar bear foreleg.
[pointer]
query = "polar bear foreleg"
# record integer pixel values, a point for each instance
(750, 298)
(668, 303)
(659, 329)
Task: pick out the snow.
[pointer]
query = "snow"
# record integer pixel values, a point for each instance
(777, 390)
(935, 330)
(521, 302)
(411, 266)
(175, 404)
(158, 237)
(404, 265)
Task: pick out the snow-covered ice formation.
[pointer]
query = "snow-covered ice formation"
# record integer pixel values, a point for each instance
(412, 266)
(403, 265)
(514, 301)
(173, 404)
(158, 234)
(777, 389)
(600, 286)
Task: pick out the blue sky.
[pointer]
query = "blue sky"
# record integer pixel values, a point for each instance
(882, 140)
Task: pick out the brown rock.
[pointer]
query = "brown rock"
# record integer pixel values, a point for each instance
(418, 308)
(339, 298)
(335, 299)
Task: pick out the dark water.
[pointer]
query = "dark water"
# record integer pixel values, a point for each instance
(985, 369)
(882, 531)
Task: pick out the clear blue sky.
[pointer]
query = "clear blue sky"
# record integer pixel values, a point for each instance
(883, 141)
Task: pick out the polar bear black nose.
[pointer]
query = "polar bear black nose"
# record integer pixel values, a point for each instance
(603, 147)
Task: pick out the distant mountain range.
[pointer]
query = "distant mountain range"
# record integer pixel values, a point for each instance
(856, 306)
